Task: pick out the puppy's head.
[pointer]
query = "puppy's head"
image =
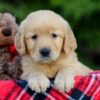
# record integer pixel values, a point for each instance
(44, 35)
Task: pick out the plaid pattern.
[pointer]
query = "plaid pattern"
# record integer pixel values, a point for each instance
(85, 88)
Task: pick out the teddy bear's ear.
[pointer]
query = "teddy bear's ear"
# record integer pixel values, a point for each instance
(9, 16)
(19, 42)
(69, 41)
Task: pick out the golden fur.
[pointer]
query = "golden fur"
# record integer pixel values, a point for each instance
(62, 63)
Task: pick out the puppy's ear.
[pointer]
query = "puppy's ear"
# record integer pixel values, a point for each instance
(19, 42)
(69, 41)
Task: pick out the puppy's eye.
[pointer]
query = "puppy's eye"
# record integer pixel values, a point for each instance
(34, 37)
(54, 35)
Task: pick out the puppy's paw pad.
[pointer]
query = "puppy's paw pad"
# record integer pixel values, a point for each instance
(59, 85)
(69, 84)
(44, 84)
(64, 84)
(33, 84)
(39, 84)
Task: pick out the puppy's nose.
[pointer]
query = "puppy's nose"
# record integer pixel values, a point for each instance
(45, 52)
(6, 32)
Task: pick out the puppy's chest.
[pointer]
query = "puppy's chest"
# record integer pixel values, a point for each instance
(50, 70)
(28, 66)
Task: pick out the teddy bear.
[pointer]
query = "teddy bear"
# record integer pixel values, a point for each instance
(10, 67)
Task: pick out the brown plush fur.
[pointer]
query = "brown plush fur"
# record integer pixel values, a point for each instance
(11, 70)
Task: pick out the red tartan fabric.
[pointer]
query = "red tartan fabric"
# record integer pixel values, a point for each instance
(85, 88)
(9, 90)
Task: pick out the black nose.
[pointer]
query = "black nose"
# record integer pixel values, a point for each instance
(45, 52)
(6, 32)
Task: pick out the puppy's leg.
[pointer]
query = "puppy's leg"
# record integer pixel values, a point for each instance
(38, 82)
(64, 80)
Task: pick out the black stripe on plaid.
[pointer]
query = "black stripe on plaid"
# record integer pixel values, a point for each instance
(23, 84)
(44, 95)
(76, 94)
(41, 96)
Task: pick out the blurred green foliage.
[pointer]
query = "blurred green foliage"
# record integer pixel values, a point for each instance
(83, 16)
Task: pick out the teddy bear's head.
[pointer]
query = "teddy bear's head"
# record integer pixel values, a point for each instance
(8, 28)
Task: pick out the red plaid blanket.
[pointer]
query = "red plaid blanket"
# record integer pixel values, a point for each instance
(85, 88)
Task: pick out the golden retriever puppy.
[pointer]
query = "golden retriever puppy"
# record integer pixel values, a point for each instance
(47, 45)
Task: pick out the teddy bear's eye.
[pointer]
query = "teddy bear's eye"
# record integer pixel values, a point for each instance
(54, 35)
(34, 37)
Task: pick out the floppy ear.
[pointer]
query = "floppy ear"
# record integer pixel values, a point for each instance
(20, 42)
(69, 41)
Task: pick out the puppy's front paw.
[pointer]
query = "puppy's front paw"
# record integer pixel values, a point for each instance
(39, 83)
(64, 84)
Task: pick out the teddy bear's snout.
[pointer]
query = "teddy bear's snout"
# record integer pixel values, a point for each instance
(7, 32)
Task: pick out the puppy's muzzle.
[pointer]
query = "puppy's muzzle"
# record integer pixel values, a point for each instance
(45, 52)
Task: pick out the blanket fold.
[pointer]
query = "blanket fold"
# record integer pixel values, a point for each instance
(85, 88)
